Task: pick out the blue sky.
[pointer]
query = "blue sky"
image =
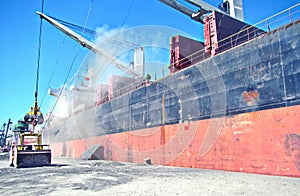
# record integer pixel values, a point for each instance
(19, 30)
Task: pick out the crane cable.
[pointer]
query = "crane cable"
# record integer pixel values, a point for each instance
(53, 71)
(34, 116)
(128, 12)
(39, 56)
(91, 32)
(71, 66)
(88, 31)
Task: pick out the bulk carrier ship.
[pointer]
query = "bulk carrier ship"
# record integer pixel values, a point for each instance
(230, 103)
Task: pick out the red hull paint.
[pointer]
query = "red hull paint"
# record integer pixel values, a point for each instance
(262, 142)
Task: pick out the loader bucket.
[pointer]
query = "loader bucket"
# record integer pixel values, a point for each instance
(34, 158)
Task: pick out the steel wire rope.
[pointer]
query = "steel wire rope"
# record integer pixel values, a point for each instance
(75, 27)
(130, 44)
(39, 55)
(129, 10)
(70, 69)
(66, 80)
(125, 19)
(91, 32)
(53, 71)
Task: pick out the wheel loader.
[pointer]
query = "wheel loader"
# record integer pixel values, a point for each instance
(27, 149)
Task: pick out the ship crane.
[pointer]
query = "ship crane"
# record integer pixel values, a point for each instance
(85, 43)
(198, 15)
(230, 7)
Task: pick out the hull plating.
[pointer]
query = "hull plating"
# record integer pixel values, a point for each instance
(264, 142)
(241, 112)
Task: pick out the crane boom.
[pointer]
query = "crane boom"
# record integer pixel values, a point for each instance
(234, 8)
(180, 7)
(86, 43)
(206, 7)
(198, 15)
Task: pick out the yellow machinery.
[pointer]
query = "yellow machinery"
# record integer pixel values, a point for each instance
(28, 150)
(34, 116)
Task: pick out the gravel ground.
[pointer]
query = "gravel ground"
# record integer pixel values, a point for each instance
(79, 177)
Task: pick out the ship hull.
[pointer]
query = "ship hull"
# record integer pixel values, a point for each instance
(262, 142)
(237, 111)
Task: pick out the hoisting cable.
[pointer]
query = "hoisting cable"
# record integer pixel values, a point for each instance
(66, 80)
(75, 27)
(53, 71)
(125, 20)
(91, 32)
(128, 12)
(71, 66)
(34, 116)
(39, 55)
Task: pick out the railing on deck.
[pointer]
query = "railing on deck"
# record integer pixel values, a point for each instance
(274, 22)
